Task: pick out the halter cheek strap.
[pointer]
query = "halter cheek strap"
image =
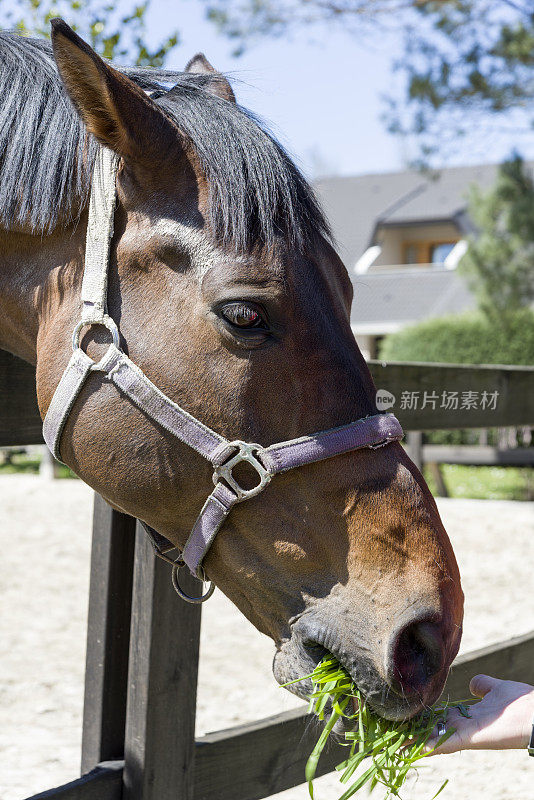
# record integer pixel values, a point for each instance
(370, 432)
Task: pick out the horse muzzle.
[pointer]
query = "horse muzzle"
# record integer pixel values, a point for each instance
(399, 672)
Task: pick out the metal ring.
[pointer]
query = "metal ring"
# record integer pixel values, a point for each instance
(179, 591)
(106, 321)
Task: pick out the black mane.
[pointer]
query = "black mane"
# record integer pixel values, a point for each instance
(46, 154)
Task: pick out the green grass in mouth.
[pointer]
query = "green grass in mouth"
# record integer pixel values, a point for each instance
(382, 741)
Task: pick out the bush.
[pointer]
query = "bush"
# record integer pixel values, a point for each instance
(464, 339)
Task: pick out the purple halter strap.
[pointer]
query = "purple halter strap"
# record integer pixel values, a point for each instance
(370, 432)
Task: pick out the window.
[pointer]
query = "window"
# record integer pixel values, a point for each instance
(430, 252)
(439, 252)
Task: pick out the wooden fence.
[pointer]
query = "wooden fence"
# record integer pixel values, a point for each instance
(477, 455)
(143, 641)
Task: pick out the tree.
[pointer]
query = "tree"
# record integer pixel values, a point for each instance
(468, 67)
(463, 61)
(499, 263)
(112, 34)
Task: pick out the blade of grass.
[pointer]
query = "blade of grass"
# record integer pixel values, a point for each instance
(311, 765)
(441, 788)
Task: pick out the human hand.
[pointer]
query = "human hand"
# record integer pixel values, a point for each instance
(502, 720)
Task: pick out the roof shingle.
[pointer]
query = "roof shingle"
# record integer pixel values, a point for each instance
(387, 301)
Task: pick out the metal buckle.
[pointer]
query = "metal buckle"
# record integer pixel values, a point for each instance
(245, 452)
(106, 321)
(176, 567)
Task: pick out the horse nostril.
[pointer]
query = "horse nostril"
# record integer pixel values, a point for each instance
(416, 655)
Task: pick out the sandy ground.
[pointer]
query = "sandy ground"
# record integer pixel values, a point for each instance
(45, 528)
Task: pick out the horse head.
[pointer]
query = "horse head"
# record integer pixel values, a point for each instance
(230, 297)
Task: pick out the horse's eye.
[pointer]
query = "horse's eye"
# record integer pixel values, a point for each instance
(241, 315)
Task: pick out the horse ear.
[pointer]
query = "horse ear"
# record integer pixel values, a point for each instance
(116, 111)
(219, 85)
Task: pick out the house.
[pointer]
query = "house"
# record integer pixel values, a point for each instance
(401, 236)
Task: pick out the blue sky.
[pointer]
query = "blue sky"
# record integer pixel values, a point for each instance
(320, 91)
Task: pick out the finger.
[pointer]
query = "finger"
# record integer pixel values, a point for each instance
(450, 745)
(453, 721)
(480, 685)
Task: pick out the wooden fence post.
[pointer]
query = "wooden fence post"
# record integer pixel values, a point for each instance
(162, 682)
(434, 468)
(108, 635)
(414, 446)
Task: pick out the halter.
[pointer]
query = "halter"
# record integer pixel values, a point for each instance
(371, 432)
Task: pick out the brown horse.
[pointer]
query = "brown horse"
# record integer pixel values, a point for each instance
(232, 300)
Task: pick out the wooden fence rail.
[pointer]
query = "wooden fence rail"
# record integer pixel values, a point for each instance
(142, 647)
(20, 422)
(447, 396)
(477, 455)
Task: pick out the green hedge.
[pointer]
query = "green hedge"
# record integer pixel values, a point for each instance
(465, 339)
